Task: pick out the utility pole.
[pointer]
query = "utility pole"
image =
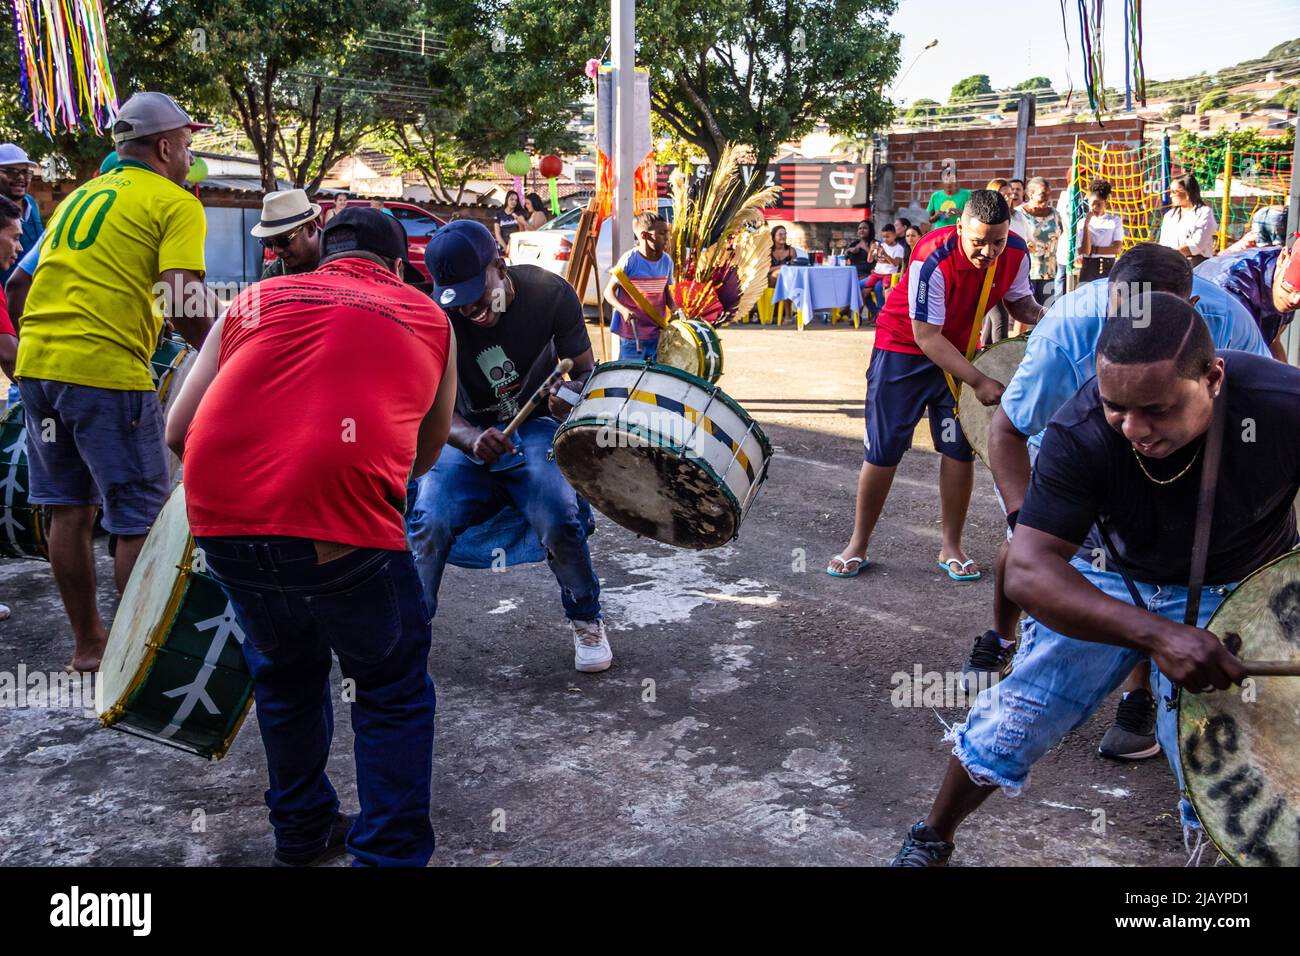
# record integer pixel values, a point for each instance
(622, 18)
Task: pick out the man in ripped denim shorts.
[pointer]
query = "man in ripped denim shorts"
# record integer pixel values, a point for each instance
(1126, 453)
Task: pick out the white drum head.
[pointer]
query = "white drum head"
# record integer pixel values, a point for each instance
(144, 605)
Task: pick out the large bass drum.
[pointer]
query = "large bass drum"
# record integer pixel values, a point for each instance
(1240, 747)
(663, 453)
(999, 362)
(174, 668)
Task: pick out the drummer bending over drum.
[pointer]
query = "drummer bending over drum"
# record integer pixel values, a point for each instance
(511, 324)
(1126, 452)
(921, 336)
(1060, 357)
(294, 487)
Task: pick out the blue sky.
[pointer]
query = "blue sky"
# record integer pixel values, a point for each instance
(1024, 38)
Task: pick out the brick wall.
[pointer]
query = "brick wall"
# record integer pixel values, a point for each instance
(984, 154)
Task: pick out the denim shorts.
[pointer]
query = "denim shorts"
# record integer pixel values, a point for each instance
(901, 387)
(630, 351)
(86, 445)
(1058, 682)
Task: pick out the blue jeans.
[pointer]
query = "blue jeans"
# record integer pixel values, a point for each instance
(365, 607)
(458, 494)
(1058, 682)
(1060, 280)
(629, 352)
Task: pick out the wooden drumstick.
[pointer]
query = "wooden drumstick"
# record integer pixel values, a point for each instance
(1232, 641)
(539, 396)
(1272, 668)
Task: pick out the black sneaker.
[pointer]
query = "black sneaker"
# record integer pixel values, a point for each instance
(989, 663)
(923, 848)
(334, 845)
(1133, 735)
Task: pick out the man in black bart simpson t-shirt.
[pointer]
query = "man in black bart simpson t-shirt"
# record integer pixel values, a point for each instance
(512, 324)
(1126, 454)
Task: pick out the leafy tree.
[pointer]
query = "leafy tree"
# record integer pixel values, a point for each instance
(763, 72)
(969, 94)
(922, 110)
(303, 81)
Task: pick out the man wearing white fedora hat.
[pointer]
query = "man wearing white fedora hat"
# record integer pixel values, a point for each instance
(16, 171)
(290, 228)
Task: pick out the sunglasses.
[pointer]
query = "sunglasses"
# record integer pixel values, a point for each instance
(17, 172)
(281, 241)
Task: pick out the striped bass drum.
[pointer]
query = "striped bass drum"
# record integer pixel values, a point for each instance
(664, 454)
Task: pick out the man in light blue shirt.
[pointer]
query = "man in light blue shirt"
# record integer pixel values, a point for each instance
(1060, 357)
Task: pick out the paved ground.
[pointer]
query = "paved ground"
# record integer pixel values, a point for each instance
(770, 738)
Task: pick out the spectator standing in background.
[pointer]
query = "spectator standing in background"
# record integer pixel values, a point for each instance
(1042, 234)
(946, 204)
(16, 171)
(1100, 237)
(1190, 225)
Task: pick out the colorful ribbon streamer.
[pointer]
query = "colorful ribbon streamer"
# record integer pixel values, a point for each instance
(64, 72)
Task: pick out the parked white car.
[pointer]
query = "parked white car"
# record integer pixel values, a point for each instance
(551, 247)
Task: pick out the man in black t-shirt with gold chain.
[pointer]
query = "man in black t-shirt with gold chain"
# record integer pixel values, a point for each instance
(1126, 454)
(512, 324)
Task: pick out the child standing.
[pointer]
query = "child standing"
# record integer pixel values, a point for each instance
(651, 270)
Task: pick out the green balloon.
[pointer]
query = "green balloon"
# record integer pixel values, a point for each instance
(198, 172)
(518, 163)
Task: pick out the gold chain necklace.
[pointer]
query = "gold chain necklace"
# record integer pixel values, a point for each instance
(1167, 481)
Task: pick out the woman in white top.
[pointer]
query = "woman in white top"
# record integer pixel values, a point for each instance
(1100, 236)
(1190, 225)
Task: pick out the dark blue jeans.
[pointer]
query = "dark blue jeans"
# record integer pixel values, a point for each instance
(367, 608)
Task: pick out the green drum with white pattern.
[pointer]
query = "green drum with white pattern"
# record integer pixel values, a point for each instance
(23, 525)
(174, 670)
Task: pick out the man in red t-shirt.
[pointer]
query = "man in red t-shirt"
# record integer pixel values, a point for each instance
(925, 337)
(313, 402)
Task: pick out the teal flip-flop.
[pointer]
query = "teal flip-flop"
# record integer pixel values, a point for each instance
(856, 563)
(964, 575)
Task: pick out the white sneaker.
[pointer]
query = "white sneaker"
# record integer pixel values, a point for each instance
(591, 650)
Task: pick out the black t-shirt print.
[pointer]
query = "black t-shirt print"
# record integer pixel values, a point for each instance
(507, 224)
(543, 324)
(1087, 471)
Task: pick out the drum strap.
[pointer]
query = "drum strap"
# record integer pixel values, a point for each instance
(977, 325)
(1205, 504)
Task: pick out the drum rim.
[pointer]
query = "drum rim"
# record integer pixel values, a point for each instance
(712, 387)
(1024, 337)
(1293, 554)
(112, 714)
(659, 442)
(38, 526)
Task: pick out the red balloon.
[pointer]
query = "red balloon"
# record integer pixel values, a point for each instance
(550, 166)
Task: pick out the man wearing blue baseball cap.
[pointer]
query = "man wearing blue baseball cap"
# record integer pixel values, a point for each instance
(512, 324)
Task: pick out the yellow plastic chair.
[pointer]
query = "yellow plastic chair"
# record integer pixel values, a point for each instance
(769, 311)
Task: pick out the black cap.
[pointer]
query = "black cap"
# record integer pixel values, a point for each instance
(368, 230)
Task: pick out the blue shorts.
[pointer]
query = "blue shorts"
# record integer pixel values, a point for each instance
(628, 351)
(86, 445)
(1057, 682)
(900, 387)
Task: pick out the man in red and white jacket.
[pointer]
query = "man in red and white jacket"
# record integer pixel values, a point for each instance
(924, 335)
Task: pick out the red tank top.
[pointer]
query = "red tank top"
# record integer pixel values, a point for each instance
(309, 428)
